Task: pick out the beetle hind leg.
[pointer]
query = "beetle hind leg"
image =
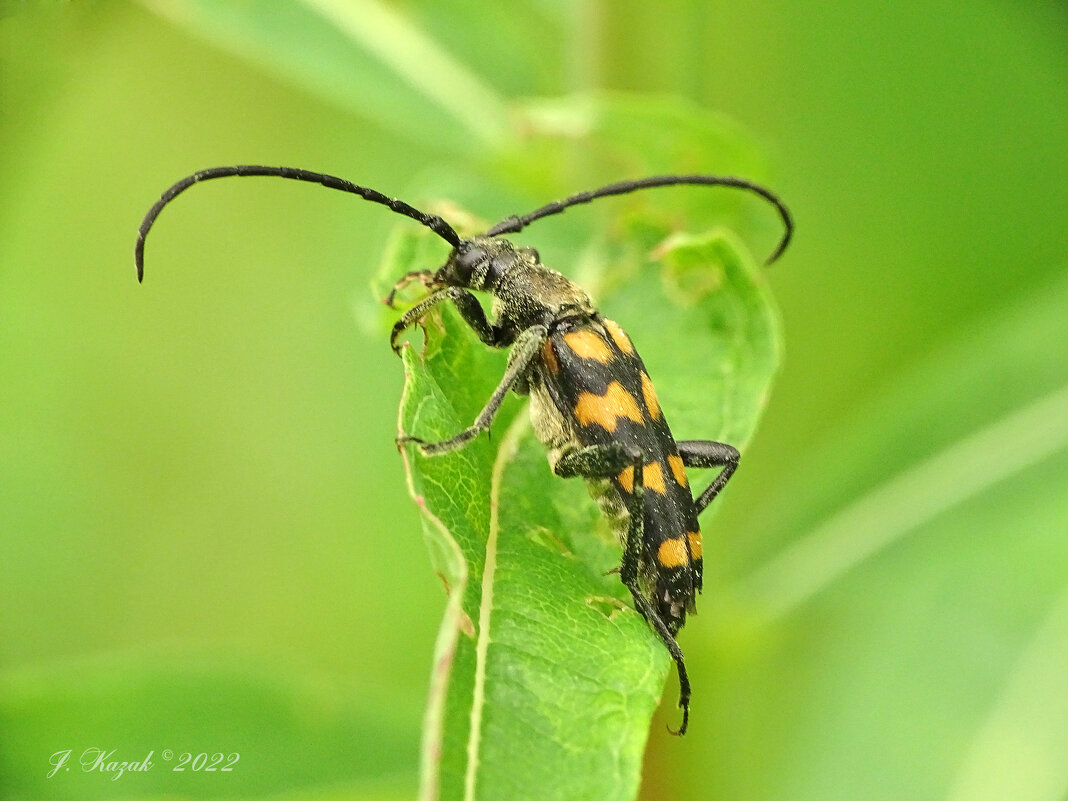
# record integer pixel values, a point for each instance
(605, 462)
(705, 453)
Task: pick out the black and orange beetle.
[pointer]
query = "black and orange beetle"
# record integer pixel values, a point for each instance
(592, 403)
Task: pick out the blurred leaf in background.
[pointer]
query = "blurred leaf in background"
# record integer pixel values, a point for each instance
(200, 472)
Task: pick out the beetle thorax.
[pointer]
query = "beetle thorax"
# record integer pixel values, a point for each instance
(531, 294)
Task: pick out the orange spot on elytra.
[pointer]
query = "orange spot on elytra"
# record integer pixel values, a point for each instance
(621, 340)
(694, 538)
(626, 479)
(587, 345)
(672, 553)
(653, 477)
(678, 469)
(608, 409)
(651, 402)
(548, 355)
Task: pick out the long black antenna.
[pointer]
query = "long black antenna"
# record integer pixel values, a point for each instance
(431, 221)
(511, 225)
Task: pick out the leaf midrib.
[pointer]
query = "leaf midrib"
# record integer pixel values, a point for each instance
(505, 453)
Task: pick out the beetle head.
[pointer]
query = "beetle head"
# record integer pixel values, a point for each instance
(479, 264)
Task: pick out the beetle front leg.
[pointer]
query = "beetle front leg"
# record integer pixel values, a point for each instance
(527, 347)
(404, 280)
(417, 312)
(468, 306)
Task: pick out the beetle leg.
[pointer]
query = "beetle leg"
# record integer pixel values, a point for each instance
(650, 614)
(468, 306)
(526, 349)
(404, 280)
(608, 461)
(705, 453)
(475, 316)
(417, 312)
(604, 462)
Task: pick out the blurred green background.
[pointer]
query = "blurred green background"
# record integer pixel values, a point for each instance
(205, 539)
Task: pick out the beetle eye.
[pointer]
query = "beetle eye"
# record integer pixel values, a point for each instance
(466, 264)
(534, 254)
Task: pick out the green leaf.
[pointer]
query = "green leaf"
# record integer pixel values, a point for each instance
(361, 54)
(545, 678)
(920, 604)
(1015, 362)
(292, 734)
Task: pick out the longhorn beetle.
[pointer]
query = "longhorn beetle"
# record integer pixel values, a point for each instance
(592, 403)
